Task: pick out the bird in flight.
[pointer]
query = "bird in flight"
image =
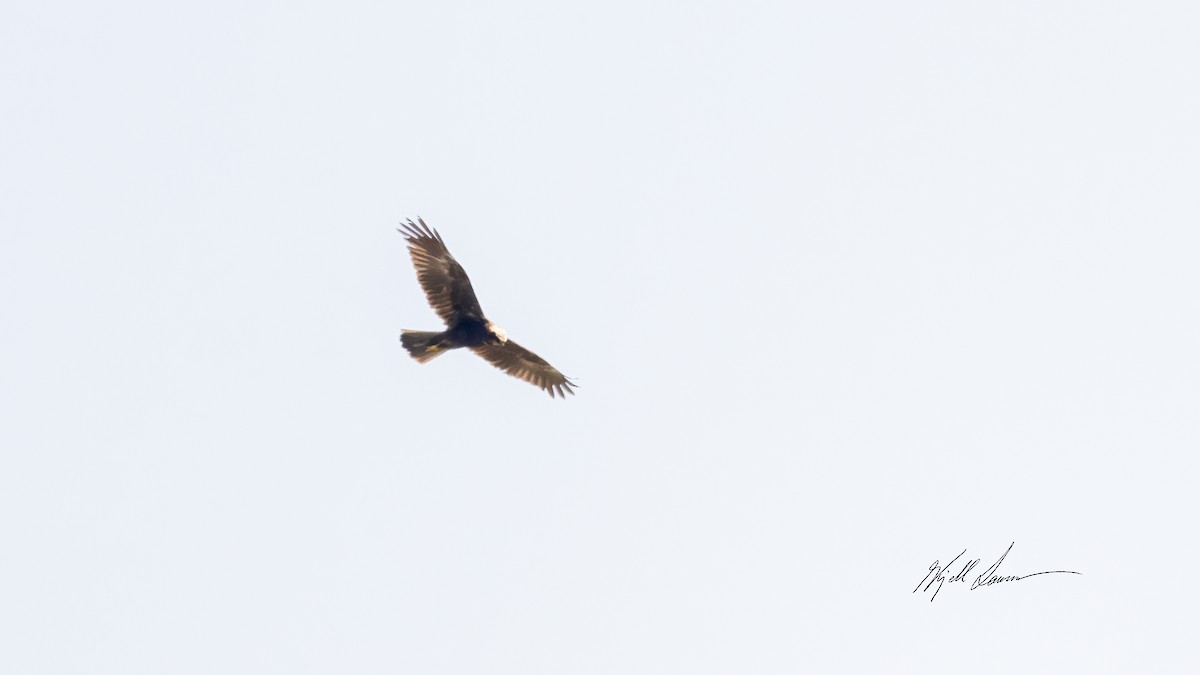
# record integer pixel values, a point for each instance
(450, 294)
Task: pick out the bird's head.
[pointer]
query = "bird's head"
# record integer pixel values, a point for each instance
(499, 332)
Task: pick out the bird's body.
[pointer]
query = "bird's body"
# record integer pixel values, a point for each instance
(450, 294)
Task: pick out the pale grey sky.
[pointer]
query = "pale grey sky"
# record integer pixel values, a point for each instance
(848, 288)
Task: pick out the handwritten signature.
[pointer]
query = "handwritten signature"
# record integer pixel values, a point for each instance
(937, 574)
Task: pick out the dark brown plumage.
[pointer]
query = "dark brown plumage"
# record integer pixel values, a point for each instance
(450, 294)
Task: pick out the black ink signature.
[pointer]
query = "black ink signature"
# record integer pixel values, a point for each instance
(937, 574)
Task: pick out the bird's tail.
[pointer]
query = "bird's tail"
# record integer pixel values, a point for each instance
(422, 344)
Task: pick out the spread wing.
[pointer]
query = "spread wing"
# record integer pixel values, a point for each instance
(444, 281)
(517, 361)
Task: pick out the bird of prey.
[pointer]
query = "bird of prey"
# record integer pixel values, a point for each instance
(450, 294)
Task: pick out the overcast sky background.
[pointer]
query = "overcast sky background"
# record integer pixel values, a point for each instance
(848, 288)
